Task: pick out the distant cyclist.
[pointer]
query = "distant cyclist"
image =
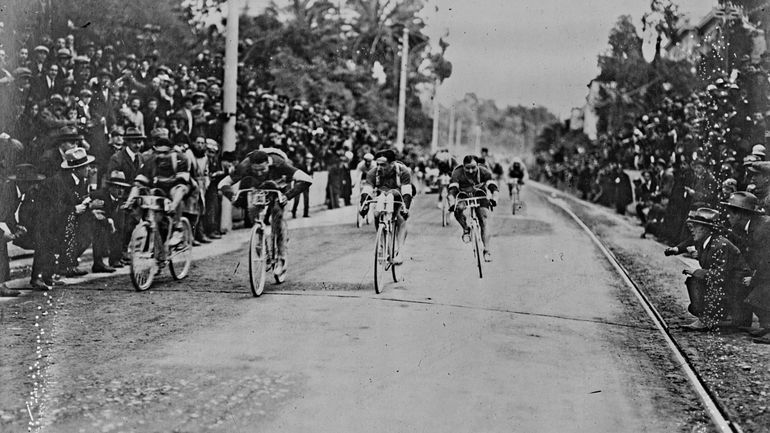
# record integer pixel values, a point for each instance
(515, 176)
(269, 168)
(445, 163)
(365, 166)
(473, 180)
(389, 176)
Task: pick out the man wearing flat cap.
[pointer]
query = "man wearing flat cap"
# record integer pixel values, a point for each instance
(721, 267)
(750, 231)
(758, 178)
(40, 63)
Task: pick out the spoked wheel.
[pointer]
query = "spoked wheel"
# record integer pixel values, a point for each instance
(142, 253)
(477, 248)
(257, 260)
(180, 255)
(393, 252)
(444, 211)
(380, 258)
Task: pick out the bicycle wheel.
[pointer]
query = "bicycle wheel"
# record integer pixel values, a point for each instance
(142, 252)
(180, 255)
(444, 210)
(257, 259)
(380, 257)
(393, 252)
(477, 248)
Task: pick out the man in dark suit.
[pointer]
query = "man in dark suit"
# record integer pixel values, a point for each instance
(721, 268)
(305, 164)
(129, 159)
(750, 230)
(46, 84)
(110, 223)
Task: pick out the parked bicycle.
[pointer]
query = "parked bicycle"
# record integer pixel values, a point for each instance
(385, 244)
(471, 204)
(159, 240)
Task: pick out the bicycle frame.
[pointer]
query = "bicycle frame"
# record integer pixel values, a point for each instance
(258, 199)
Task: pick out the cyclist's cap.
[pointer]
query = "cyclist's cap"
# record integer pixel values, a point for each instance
(162, 145)
(368, 157)
(258, 157)
(388, 154)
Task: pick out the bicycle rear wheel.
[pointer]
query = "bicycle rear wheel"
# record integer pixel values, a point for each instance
(180, 255)
(444, 210)
(477, 248)
(142, 252)
(257, 260)
(380, 258)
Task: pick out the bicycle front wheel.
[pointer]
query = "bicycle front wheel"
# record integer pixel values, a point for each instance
(180, 256)
(444, 210)
(380, 258)
(393, 252)
(142, 252)
(257, 259)
(478, 248)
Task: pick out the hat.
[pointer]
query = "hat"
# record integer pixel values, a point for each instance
(200, 95)
(42, 49)
(118, 178)
(368, 157)
(388, 154)
(758, 150)
(162, 144)
(758, 167)
(25, 173)
(63, 52)
(68, 133)
(705, 216)
(22, 73)
(104, 71)
(133, 133)
(109, 49)
(202, 81)
(86, 93)
(159, 133)
(68, 81)
(76, 157)
(309, 156)
(56, 98)
(82, 59)
(742, 200)
(131, 56)
(258, 157)
(212, 145)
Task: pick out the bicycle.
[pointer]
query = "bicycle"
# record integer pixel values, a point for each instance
(443, 192)
(385, 242)
(148, 255)
(471, 204)
(263, 242)
(515, 189)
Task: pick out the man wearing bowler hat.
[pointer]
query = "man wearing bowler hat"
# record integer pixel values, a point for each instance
(24, 178)
(750, 231)
(721, 267)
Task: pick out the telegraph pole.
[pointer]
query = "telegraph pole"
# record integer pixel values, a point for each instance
(434, 140)
(230, 97)
(402, 91)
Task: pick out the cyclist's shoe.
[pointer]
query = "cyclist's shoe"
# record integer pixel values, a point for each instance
(467, 235)
(398, 259)
(279, 270)
(487, 256)
(176, 238)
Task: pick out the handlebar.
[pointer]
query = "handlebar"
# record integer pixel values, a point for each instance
(471, 201)
(258, 196)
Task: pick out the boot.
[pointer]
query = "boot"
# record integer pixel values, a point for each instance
(100, 267)
(7, 292)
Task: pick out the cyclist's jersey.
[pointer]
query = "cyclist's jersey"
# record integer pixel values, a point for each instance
(164, 171)
(461, 182)
(392, 176)
(445, 162)
(516, 172)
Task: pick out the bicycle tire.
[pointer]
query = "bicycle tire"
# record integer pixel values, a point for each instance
(380, 257)
(444, 212)
(392, 256)
(257, 260)
(142, 253)
(358, 219)
(273, 251)
(180, 269)
(477, 249)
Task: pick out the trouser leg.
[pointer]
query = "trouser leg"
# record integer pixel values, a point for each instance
(279, 230)
(306, 202)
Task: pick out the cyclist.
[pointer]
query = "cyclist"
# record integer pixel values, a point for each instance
(515, 176)
(473, 180)
(365, 166)
(390, 177)
(445, 163)
(269, 168)
(169, 171)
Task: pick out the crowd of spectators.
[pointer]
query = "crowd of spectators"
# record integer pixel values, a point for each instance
(701, 161)
(78, 121)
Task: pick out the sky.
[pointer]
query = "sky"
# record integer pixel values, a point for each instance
(528, 52)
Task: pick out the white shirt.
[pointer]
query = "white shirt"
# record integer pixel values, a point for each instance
(76, 178)
(705, 244)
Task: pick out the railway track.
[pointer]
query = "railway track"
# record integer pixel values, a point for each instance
(716, 411)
